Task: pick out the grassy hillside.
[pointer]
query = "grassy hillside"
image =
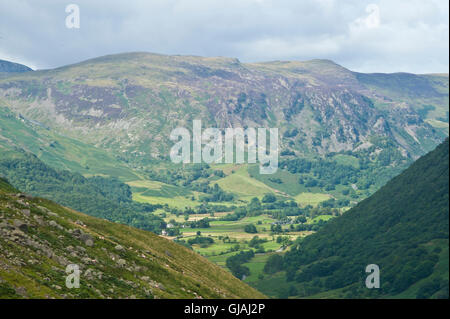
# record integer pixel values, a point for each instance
(40, 238)
(59, 151)
(403, 228)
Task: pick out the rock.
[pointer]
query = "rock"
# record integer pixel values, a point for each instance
(17, 233)
(21, 202)
(5, 224)
(50, 213)
(87, 239)
(55, 224)
(81, 249)
(77, 232)
(21, 291)
(21, 225)
(121, 262)
(79, 222)
(38, 220)
(89, 242)
(119, 248)
(160, 286)
(26, 212)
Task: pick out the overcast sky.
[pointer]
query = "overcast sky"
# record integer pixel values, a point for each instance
(366, 36)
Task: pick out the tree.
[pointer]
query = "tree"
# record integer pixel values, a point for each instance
(274, 264)
(250, 228)
(269, 198)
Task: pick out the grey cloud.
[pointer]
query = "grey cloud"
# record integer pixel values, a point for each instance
(409, 36)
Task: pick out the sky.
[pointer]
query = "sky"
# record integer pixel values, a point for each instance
(365, 36)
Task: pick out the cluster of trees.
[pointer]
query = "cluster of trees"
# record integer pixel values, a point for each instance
(234, 263)
(373, 169)
(250, 228)
(215, 193)
(201, 223)
(273, 264)
(256, 242)
(184, 176)
(202, 241)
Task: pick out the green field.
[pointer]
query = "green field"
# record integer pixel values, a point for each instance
(241, 184)
(311, 198)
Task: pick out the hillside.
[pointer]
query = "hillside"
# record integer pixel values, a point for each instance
(6, 66)
(403, 228)
(98, 196)
(40, 238)
(128, 103)
(112, 116)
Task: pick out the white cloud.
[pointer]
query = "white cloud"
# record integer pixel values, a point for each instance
(369, 36)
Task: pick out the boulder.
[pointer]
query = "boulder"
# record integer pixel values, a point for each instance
(87, 239)
(26, 212)
(39, 220)
(119, 248)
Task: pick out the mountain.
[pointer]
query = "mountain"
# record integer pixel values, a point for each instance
(94, 136)
(403, 228)
(6, 66)
(39, 238)
(129, 103)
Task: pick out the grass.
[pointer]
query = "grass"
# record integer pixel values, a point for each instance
(289, 182)
(256, 266)
(177, 201)
(318, 218)
(149, 188)
(241, 184)
(350, 160)
(311, 198)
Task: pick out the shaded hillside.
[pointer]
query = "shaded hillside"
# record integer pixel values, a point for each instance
(39, 238)
(6, 66)
(403, 228)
